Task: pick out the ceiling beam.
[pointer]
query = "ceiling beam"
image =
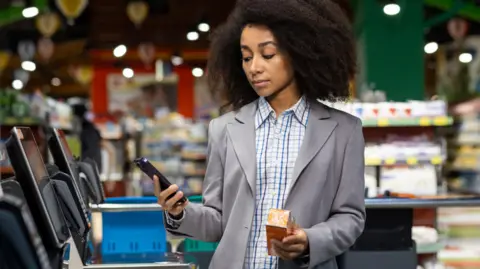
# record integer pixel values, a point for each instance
(469, 10)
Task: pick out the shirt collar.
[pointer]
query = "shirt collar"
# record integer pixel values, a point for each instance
(264, 110)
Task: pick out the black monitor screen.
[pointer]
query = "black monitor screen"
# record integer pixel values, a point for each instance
(30, 172)
(33, 154)
(66, 148)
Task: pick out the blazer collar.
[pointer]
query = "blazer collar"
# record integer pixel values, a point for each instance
(246, 114)
(242, 132)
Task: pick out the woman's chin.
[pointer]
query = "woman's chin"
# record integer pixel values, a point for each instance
(263, 92)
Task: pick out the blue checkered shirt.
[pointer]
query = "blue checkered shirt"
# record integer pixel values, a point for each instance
(278, 141)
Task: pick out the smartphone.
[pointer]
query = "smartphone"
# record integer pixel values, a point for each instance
(151, 171)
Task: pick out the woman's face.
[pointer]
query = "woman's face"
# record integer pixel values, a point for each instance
(267, 68)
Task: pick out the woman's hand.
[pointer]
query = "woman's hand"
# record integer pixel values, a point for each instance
(172, 205)
(292, 246)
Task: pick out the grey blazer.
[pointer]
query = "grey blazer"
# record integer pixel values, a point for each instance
(326, 197)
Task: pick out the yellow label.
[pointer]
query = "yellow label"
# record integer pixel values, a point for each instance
(412, 161)
(424, 121)
(436, 160)
(440, 121)
(382, 122)
(390, 161)
(10, 120)
(373, 161)
(27, 120)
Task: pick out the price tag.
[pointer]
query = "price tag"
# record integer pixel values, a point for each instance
(424, 121)
(412, 161)
(440, 121)
(382, 122)
(436, 160)
(390, 161)
(373, 161)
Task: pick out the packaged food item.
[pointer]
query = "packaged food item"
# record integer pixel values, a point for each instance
(280, 224)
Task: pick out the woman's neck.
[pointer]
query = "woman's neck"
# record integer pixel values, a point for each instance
(283, 100)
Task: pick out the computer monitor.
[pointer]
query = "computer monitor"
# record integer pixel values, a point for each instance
(90, 186)
(30, 172)
(68, 191)
(92, 181)
(64, 160)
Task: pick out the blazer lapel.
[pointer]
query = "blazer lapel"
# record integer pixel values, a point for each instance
(319, 129)
(242, 134)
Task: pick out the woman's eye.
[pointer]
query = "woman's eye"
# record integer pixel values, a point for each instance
(268, 57)
(246, 59)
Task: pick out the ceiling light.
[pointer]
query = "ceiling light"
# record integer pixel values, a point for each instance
(465, 57)
(56, 82)
(17, 84)
(192, 36)
(203, 27)
(177, 60)
(128, 72)
(391, 9)
(30, 12)
(29, 66)
(120, 51)
(197, 72)
(431, 47)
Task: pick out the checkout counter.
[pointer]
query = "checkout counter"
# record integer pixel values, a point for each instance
(45, 210)
(387, 238)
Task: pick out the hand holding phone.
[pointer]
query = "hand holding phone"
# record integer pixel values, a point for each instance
(167, 193)
(170, 199)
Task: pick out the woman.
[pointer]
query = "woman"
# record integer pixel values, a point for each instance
(279, 147)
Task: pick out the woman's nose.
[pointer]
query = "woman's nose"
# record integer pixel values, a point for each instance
(255, 66)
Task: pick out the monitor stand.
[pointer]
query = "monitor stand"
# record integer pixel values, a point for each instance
(56, 257)
(75, 262)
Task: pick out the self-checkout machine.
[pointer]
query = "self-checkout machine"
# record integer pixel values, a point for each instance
(20, 243)
(40, 195)
(86, 188)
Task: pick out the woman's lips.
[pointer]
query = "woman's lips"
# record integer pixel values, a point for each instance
(260, 83)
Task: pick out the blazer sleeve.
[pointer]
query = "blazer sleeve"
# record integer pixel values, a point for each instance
(204, 221)
(347, 217)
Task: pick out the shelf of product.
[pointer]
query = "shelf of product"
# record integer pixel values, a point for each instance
(385, 114)
(33, 110)
(404, 152)
(464, 150)
(177, 147)
(22, 109)
(409, 162)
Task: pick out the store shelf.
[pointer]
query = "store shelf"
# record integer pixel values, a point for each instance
(404, 122)
(430, 248)
(370, 203)
(28, 121)
(458, 201)
(112, 177)
(6, 170)
(407, 160)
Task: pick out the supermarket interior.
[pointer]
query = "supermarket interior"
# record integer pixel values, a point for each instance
(89, 86)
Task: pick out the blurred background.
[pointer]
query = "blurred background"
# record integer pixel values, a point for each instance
(134, 70)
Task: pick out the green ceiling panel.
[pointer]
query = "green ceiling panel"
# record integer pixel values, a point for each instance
(13, 14)
(469, 10)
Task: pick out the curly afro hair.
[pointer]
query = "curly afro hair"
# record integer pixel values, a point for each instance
(316, 34)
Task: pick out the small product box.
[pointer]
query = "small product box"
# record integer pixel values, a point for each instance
(279, 224)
